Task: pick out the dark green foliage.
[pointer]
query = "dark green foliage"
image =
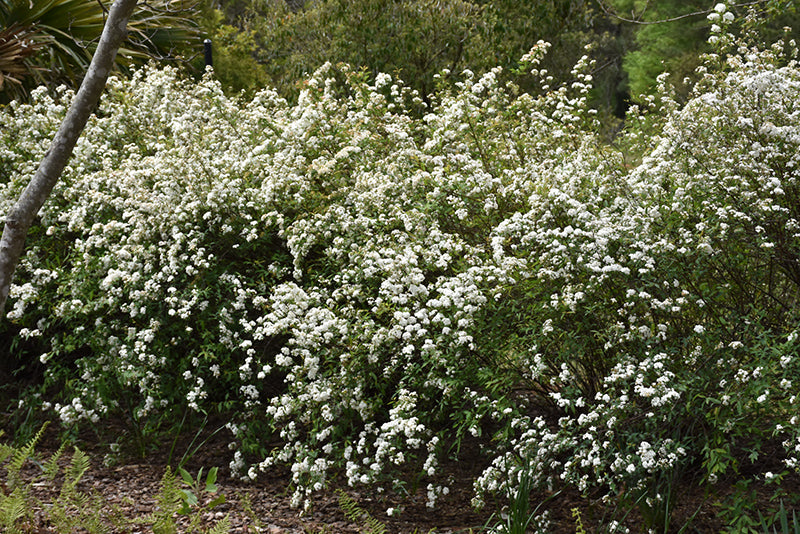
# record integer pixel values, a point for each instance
(414, 39)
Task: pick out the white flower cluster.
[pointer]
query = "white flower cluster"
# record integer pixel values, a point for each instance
(370, 281)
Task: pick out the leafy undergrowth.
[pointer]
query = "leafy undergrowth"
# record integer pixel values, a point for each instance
(66, 508)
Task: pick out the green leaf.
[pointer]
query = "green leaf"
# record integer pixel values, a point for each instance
(219, 499)
(187, 478)
(51, 468)
(185, 510)
(211, 479)
(189, 497)
(12, 507)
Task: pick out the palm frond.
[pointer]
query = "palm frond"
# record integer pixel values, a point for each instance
(62, 35)
(17, 46)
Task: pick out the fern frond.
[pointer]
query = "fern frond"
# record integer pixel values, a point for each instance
(76, 469)
(13, 507)
(164, 525)
(246, 503)
(50, 467)
(349, 506)
(168, 501)
(5, 450)
(374, 526)
(170, 498)
(356, 514)
(92, 518)
(75, 511)
(20, 455)
(222, 527)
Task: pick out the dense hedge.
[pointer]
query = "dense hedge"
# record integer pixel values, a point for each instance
(373, 281)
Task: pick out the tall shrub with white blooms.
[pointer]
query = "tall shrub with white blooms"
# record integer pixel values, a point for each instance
(373, 281)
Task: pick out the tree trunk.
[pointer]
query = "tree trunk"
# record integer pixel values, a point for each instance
(21, 216)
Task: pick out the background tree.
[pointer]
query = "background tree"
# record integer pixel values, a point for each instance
(234, 46)
(413, 39)
(670, 35)
(277, 42)
(671, 45)
(510, 28)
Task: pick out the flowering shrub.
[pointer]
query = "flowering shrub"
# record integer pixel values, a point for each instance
(666, 323)
(372, 281)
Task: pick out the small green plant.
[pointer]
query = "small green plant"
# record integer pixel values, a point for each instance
(195, 487)
(168, 501)
(781, 519)
(13, 510)
(247, 507)
(520, 517)
(356, 514)
(738, 510)
(576, 513)
(18, 457)
(183, 495)
(14, 505)
(71, 500)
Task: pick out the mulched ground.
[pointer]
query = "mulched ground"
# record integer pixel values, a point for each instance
(131, 486)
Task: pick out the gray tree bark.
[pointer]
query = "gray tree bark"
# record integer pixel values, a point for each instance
(19, 219)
